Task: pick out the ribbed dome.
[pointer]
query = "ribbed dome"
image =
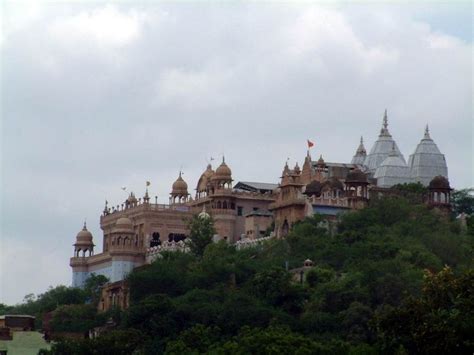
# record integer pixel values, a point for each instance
(84, 237)
(356, 175)
(180, 187)
(123, 225)
(427, 161)
(439, 182)
(222, 172)
(382, 148)
(392, 171)
(313, 188)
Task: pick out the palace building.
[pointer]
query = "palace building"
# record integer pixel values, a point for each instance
(135, 226)
(243, 213)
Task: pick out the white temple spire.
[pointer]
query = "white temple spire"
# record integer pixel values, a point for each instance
(427, 133)
(384, 130)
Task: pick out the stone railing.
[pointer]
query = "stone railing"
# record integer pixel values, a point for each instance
(155, 252)
(331, 201)
(251, 243)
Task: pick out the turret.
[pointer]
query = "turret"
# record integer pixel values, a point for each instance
(222, 178)
(84, 243)
(179, 192)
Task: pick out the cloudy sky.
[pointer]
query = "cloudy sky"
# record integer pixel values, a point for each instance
(96, 96)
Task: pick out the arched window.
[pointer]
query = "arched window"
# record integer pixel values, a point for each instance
(224, 205)
(219, 206)
(155, 240)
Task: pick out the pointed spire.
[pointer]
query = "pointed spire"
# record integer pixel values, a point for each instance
(361, 149)
(427, 133)
(384, 130)
(85, 225)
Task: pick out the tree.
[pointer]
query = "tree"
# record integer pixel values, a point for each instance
(201, 232)
(463, 201)
(440, 321)
(76, 318)
(93, 287)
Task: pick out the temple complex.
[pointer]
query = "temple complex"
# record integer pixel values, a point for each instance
(246, 213)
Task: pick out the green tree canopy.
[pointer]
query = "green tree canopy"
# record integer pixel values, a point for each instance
(201, 231)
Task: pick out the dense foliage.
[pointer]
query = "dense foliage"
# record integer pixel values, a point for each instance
(393, 278)
(61, 298)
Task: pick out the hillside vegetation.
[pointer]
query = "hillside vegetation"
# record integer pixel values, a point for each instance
(393, 278)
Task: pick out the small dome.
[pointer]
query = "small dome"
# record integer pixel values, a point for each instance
(84, 234)
(84, 237)
(313, 188)
(439, 182)
(123, 225)
(203, 214)
(222, 172)
(308, 262)
(356, 175)
(180, 187)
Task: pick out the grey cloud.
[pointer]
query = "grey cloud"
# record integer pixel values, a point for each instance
(82, 117)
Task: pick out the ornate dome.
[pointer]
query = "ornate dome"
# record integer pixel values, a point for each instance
(123, 225)
(205, 178)
(382, 148)
(222, 172)
(313, 188)
(439, 182)
(180, 187)
(427, 161)
(392, 171)
(356, 175)
(84, 237)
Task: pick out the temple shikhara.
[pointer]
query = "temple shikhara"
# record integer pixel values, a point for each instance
(246, 213)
